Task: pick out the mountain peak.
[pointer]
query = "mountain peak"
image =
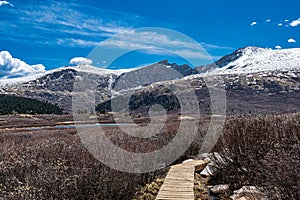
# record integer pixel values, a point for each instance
(251, 50)
(164, 62)
(255, 59)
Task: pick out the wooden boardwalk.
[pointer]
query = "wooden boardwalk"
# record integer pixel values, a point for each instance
(179, 182)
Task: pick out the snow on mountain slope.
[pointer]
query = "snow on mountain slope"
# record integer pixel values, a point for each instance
(255, 59)
(80, 68)
(56, 86)
(245, 60)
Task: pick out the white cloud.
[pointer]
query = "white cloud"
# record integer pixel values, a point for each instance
(80, 61)
(268, 20)
(69, 18)
(280, 24)
(77, 42)
(213, 46)
(291, 40)
(278, 47)
(140, 40)
(13, 67)
(153, 41)
(295, 22)
(6, 3)
(47, 22)
(253, 23)
(286, 20)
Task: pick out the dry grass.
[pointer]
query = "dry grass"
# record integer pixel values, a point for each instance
(55, 165)
(149, 191)
(200, 190)
(262, 151)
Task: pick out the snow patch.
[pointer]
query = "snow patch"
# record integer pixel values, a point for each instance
(254, 59)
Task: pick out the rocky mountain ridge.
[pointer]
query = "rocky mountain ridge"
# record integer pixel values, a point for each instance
(255, 59)
(252, 75)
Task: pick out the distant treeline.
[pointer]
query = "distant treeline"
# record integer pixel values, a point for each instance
(141, 102)
(22, 105)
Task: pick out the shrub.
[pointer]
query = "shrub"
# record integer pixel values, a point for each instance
(262, 151)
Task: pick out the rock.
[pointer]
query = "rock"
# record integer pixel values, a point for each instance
(207, 171)
(219, 189)
(210, 169)
(164, 62)
(248, 193)
(188, 160)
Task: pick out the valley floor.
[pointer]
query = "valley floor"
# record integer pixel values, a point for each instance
(52, 163)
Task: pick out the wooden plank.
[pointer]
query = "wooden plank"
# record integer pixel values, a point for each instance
(179, 182)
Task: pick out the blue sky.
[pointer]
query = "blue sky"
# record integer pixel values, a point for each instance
(52, 32)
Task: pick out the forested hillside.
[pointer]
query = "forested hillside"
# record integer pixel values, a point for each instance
(22, 105)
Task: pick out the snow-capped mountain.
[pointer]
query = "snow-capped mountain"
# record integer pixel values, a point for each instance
(56, 86)
(246, 93)
(263, 73)
(254, 59)
(80, 68)
(256, 81)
